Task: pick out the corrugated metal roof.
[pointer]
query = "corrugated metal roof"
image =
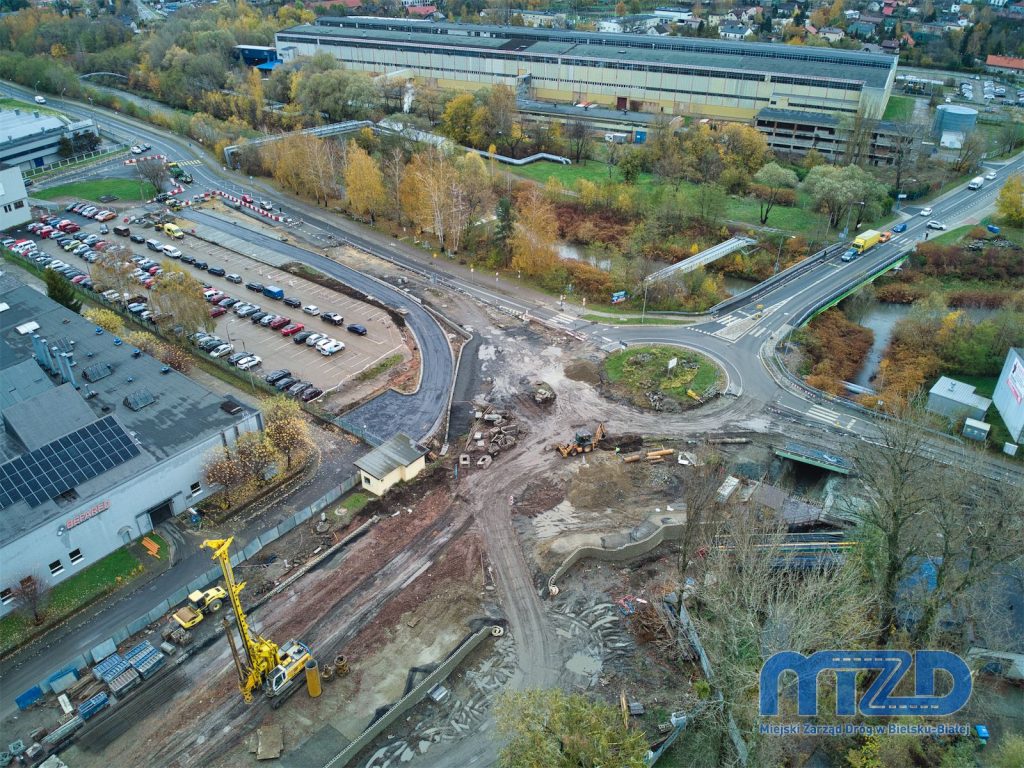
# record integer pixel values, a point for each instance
(400, 451)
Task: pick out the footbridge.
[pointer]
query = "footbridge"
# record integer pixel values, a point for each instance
(714, 253)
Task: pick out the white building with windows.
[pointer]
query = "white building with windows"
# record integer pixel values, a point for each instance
(14, 207)
(100, 441)
(30, 138)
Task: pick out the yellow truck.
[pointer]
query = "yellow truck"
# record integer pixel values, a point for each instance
(867, 240)
(199, 601)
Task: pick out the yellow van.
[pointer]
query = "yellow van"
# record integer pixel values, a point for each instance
(174, 231)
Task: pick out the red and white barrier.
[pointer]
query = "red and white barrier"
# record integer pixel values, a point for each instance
(134, 160)
(250, 206)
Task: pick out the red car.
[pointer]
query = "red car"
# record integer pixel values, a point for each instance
(280, 323)
(247, 199)
(291, 329)
(213, 299)
(217, 311)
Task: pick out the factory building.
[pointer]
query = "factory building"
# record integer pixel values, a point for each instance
(31, 138)
(638, 73)
(100, 441)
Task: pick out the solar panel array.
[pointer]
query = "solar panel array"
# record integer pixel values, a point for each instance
(97, 372)
(139, 399)
(59, 466)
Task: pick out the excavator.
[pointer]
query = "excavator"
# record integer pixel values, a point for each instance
(583, 442)
(266, 665)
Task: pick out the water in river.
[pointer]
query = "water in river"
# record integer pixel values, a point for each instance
(574, 253)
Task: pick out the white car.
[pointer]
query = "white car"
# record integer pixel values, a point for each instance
(40, 100)
(315, 339)
(991, 175)
(171, 251)
(311, 309)
(330, 347)
(249, 363)
(926, 211)
(933, 224)
(137, 150)
(223, 349)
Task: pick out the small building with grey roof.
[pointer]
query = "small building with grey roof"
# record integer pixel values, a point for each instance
(398, 460)
(100, 442)
(956, 400)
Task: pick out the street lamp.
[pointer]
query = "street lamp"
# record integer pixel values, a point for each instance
(778, 255)
(846, 229)
(643, 311)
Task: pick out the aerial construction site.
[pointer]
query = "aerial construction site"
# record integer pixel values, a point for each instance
(560, 538)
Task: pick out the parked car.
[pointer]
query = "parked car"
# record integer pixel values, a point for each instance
(315, 339)
(311, 309)
(210, 344)
(279, 322)
(217, 311)
(135, 237)
(291, 329)
(258, 287)
(227, 303)
(253, 361)
(301, 336)
(311, 394)
(298, 388)
(201, 265)
(186, 259)
(234, 279)
(256, 317)
(248, 311)
(333, 317)
(222, 350)
(266, 321)
(284, 383)
(275, 376)
(236, 357)
(331, 347)
(291, 302)
(217, 271)
(356, 328)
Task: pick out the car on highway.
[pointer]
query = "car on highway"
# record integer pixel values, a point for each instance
(357, 329)
(254, 361)
(850, 255)
(137, 150)
(926, 211)
(899, 228)
(275, 376)
(934, 224)
(885, 237)
(990, 176)
(40, 99)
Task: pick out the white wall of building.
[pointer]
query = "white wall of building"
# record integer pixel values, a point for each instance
(14, 207)
(1008, 397)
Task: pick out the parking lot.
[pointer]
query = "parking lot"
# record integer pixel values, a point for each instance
(382, 340)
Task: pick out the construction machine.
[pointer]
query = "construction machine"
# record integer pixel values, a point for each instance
(266, 665)
(199, 604)
(583, 442)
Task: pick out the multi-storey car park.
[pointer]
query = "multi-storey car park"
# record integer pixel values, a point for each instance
(671, 75)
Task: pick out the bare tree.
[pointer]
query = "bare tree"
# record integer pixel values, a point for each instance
(577, 133)
(905, 142)
(154, 171)
(971, 151)
(113, 268)
(31, 597)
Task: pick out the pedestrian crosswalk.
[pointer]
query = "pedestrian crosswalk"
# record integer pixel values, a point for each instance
(563, 319)
(828, 416)
(190, 162)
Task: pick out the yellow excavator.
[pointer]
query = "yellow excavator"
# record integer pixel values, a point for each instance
(265, 665)
(583, 442)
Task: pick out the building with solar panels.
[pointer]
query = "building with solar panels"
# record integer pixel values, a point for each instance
(101, 442)
(722, 79)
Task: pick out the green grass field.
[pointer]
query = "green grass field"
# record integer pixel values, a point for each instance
(8, 103)
(627, 320)
(639, 370)
(123, 189)
(104, 576)
(951, 236)
(899, 109)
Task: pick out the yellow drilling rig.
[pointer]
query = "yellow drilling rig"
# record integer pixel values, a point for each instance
(265, 665)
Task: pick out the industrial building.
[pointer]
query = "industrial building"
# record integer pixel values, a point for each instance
(1008, 396)
(101, 442)
(30, 138)
(14, 207)
(956, 400)
(794, 133)
(953, 123)
(640, 73)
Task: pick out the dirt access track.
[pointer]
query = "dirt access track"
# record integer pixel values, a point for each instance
(401, 596)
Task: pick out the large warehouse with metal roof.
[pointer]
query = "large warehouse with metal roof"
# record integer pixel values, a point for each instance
(640, 73)
(100, 441)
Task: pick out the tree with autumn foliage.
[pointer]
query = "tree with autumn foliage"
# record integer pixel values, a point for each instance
(225, 470)
(104, 318)
(535, 235)
(286, 427)
(364, 183)
(256, 455)
(1010, 203)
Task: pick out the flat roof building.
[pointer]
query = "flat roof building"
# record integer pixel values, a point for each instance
(100, 442)
(30, 138)
(14, 207)
(635, 72)
(795, 133)
(956, 400)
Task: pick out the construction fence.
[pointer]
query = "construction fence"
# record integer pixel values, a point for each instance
(158, 611)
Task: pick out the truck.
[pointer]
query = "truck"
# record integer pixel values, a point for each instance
(867, 240)
(179, 173)
(198, 602)
(976, 182)
(273, 292)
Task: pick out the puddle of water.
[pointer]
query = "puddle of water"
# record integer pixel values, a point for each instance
(582, 664)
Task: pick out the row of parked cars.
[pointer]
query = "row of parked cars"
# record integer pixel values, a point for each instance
(90, 211)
